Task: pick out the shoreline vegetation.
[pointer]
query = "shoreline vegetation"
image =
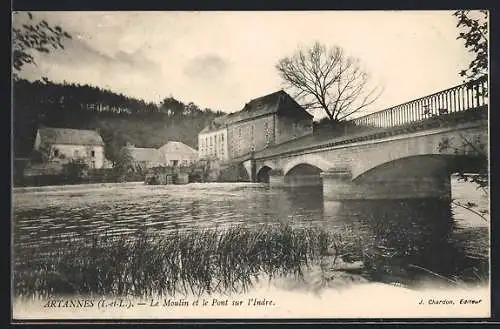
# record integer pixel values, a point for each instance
(228, 261)
(193, 262)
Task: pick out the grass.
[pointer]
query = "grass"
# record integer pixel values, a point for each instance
(191, 262)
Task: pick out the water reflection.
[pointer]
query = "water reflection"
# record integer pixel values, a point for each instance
(402, 234)
(400, 240)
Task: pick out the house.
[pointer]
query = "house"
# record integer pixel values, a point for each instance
(212, 141)
(265, 121)
(144, 157)
(178, 154)
(64, 145)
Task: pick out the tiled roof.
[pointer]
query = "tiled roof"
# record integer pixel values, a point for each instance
(278, 101)
(177, 148)
(69, 136)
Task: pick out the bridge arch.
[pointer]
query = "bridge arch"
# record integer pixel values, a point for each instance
(419, 166)
(263, 174)
(307, 159)
(268, 164)
(305, 170)
(373, 155)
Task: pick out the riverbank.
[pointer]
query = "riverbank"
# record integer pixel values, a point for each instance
(75, 187)
(62, 188)
(233, 260)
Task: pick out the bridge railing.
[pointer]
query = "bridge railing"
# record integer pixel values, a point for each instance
(456, 99)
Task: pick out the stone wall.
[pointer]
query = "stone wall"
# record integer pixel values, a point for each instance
(246, 136)
(289, 128)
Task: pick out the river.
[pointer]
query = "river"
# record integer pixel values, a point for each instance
(426, 239)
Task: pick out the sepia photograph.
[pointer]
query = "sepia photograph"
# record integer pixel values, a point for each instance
(176, 165)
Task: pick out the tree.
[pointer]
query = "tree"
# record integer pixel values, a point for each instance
(172, 107)
(30, 37)
(45, 153)
(123, 163)
(325, 78)
(75, 170)
(473, 27)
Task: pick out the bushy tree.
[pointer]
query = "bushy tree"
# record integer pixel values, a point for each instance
(46, 152)
(124, 161)
(75, 170)
(473, 26)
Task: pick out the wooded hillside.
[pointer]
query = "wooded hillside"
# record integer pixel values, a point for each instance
(118, 118)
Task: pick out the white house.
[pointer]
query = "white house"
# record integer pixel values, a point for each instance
(212, 141)
(67, 144)
(178, 154)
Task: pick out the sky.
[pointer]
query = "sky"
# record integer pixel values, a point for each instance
(222, 60)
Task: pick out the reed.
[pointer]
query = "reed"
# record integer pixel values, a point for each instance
(185, 262)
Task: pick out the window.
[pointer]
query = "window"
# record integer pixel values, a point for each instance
(56, 152)
(92, 153)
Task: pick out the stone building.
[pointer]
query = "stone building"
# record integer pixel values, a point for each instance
(265, 121)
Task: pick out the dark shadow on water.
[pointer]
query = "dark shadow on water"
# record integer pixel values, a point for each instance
(306, 197)
(408, 240)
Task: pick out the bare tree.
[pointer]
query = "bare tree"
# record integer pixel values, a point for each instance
(325, 78)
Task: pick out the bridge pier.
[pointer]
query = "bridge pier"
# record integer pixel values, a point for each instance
(276, 180)
(338, 185)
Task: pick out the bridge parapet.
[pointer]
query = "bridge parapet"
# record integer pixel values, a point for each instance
(460, 98)
(451, 120)
(401, 159)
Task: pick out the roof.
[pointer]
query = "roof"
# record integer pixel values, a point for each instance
(69, 136)
(144, 154)
(216, 124)
(277, 102)
(177, 148)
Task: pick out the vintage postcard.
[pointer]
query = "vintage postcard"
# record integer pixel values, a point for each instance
(250, 165)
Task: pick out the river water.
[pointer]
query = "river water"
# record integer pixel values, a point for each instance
(425, 239)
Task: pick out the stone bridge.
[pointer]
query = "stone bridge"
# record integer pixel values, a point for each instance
(408, 151)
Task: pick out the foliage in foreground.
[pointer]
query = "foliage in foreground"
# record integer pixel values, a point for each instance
(186, 262)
